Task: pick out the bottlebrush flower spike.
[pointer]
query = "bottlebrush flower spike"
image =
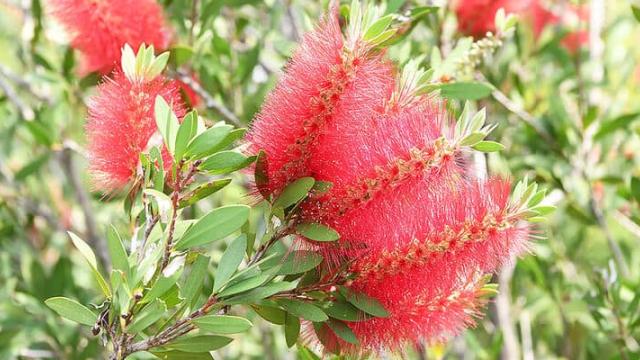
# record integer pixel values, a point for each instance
(121, 121)
(327, 77)
(476, 17)
(573, 17)
(425, 253)
(100, 28)
(435, 313)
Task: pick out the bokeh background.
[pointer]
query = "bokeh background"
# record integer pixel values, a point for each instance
(568, 120)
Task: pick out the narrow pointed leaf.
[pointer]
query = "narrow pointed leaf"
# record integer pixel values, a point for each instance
(72, 310)
(217, 224)
(223, 324)
(230, 261)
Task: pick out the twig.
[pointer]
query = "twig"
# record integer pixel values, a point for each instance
(148, 227)
(525, 331)
(82, 197)
(20, 82)
(194, 18)
(295, 32)
(522, 114)
(25, 111)
(510, 347)
(618, 257)
(175, 196)
(627, 223)
(169, 334)
(209, 101)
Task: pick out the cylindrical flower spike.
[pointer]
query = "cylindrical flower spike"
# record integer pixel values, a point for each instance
(477, 17)
(100, 28)
(328, 76)
(121, 121)
(419, 309)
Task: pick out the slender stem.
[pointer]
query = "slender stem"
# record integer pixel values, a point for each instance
(176, 330)
(175, 197)
(25, 111)
(150, 224)
(618, 257)
(209, 101)
(82, 197)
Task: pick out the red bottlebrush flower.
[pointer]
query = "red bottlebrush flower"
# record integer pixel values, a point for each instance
(189, 95)
(573, 17)
(326, 77)
(477, 17)
(121, 125)
(417, 311)
(99, 29)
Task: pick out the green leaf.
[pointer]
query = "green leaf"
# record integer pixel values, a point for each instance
(364, 302)
(216, 225)
(621, 122)
(635, 188)
(344, 311)
(247, 60)
(246, 284)
(225, 162)
(305, 354)
(261, 293)
(180, 54)
(201, 343)
(378, 27)
(636, 12)
(223, 324)
(234, 135)
(317, 232)
(544, 210)
(161, 286)
(488, 146)
(209, 142)
(300, 261)
(147, 316)
(167, 122)
(187, 130)
(384, 36)
(117, 253)
(181, 355)
(203, 191)
(262, 174)
(271, 314)
(72, 310)
(229, 262)
(343, 331)
(291, 329)
(31, 167)
(472, 139)
(304, 310)
(191, 287)
(465, 90)
(90, 257)
(294, 192)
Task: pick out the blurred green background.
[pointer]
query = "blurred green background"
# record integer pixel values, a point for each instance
(568, 121)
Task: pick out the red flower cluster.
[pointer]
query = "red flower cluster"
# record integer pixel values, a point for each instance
(121, 125)
(476, 18)
(417, 226)
(99, 29)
